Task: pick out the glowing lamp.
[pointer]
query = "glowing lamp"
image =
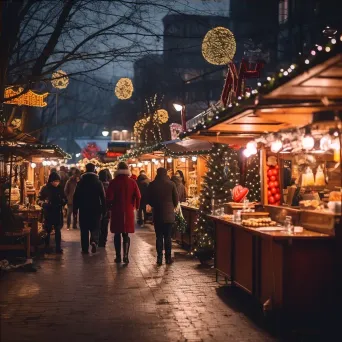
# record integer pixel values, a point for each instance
(308, 142)
(169, 160)
(246, 153)
(178, 107)
(33, 165)
(105, 132)
(193, 158)
(276, 146)
(252, 147)
(183, 160)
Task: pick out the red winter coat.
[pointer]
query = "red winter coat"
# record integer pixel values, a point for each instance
(123, 196)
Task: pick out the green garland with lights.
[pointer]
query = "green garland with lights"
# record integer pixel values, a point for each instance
(222, 176)
(252, 181)
(318, 54)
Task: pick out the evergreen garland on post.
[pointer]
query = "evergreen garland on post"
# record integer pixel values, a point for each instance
(222, 176)
(253, 178)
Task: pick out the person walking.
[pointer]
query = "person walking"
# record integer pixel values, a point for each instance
(163, 198)
(123, 196)
(69, 191)
(180, 187)
(104, 178)
(89, 200)
(52, 199)
(143, 183)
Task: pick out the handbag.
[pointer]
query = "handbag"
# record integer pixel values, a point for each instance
(180, 222)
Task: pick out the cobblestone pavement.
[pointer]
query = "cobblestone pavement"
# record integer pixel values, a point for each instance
(89, 298)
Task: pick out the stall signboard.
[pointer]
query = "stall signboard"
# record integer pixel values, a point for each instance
(29, 98)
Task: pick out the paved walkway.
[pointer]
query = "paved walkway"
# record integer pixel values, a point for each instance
(89, 298)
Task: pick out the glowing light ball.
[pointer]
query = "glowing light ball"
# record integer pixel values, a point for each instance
(60, 79)
(124, 89)
(219, 46)
(161, 116)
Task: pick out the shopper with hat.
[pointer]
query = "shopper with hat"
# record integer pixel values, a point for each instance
(89, 200)
(52, 199)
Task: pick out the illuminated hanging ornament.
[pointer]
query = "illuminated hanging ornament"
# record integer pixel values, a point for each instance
(276, 146)
(219, 46)
(124, 89)
(161, 116)
(308, 142)
(60, 79)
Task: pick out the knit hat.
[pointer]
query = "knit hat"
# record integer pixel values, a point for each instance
(54, 176)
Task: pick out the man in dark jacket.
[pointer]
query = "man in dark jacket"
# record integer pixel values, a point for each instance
(89, 199)
(163, 198)
(51, 198)
(69, 191)
(143, 183)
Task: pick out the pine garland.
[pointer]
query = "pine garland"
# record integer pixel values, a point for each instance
(253, 178)
(222, 176)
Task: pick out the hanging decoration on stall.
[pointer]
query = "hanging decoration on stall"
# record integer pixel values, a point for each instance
(273, 181)
(60, 79)
(219, 46)
(29, 98)
(175, 130)
(90, 151)
(239, 193)
(124, 89)
(217, 187)
(252, 181)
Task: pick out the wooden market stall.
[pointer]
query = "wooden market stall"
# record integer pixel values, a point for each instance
(20, 214)
(287, 256)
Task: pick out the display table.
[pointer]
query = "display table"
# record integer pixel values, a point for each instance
(26, 233)
(190, 215)
(294, 273)
(31, 216)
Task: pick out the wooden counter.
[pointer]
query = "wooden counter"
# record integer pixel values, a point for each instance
(294, 273)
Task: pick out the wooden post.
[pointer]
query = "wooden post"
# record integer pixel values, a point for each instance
(263, 171)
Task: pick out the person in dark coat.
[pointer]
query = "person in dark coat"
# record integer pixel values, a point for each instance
(180, 187)
(163, 198)
(89, 200)
(51, 198)
(123, 197)
(69, 191)
(143, 183)
(104, 178)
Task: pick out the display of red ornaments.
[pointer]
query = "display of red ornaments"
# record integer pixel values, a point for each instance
(273, 191)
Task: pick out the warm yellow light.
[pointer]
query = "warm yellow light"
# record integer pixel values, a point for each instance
(219, 46)
(177, 106)
(30, 98)
(161, 116)
(124, 89)
(60, 79)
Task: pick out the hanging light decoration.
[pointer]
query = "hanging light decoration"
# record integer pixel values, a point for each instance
(276, 146)
(219, 46)
(60, 79)
(183, 160)
(308, 142)
(252, 147)
(124, 89)
(33, 165)
(246, 153)
(146, 162)
(169, 160)
(194, 158)
(161, 116)
(325, 142)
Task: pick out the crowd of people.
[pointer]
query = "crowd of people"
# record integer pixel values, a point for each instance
(95, 200)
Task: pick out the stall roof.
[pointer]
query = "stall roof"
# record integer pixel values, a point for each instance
(25, 146)
(286, 100)
(173, 148)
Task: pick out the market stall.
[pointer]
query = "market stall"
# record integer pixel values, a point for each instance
(287, 251)
(18, 153)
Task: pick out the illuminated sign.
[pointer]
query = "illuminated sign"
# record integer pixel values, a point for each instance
(30, 98)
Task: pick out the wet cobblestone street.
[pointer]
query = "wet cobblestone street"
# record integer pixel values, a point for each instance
(78, 297)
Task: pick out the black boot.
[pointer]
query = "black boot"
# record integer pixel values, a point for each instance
(126, 245)
(159, 260)
(117, 245)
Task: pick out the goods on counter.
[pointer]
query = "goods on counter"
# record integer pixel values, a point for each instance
(310, 204)
(308, 178)
(193, 202)
(239, 193)
(335, 196)
(227, 217)
(259, 222)
(320, 179)
(273, 192)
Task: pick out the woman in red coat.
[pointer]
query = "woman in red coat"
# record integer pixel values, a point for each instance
(123, 196)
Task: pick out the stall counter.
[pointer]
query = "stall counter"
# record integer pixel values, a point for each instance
(293, 273)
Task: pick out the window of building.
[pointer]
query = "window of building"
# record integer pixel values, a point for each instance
(283, 14)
